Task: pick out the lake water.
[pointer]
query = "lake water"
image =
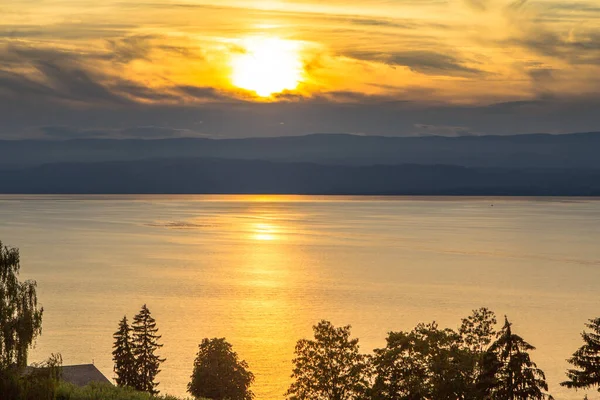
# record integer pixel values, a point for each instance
(261, 270)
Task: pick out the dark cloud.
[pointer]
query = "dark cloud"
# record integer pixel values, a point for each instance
(72, 77)
(580, 47)
(422, 61)
(130, 48)
(66, 132)
(372, 115)
(59, 74)
(140, 47)
(442, 130)
(152, 132)
(138, 132)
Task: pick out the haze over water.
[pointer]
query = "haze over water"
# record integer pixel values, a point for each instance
(261, 270)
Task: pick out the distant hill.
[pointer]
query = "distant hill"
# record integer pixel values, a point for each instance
(520, 151)
(220, 176)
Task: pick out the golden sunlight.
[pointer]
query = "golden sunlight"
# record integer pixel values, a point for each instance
(264, 232)
(268, 65)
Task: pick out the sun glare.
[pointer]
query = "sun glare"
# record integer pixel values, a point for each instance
(264, 232)
(267, 66)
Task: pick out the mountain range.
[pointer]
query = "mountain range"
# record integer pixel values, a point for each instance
(539, 164)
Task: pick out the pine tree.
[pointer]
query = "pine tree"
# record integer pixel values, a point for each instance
(125, 363)
(586, 360)
(513, 375)
(145, 344)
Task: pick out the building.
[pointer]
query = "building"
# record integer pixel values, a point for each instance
(83, 375)
(78, 375)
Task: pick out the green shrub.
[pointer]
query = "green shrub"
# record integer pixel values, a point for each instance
(103, 392)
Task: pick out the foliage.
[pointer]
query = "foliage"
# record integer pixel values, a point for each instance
(145, 344)
(427, 363)
(41, 382)
(97, 391)
(434, 363)
(512, 375)
(586, 360)
(125, 362)
(477, 330)
(20, 316)
(329, 367)
(36, 383)
(219, 374)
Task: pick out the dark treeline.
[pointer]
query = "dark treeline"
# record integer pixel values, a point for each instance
(479, 360)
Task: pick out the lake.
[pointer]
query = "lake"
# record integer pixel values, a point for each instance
(261, 270)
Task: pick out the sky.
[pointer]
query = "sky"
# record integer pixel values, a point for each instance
(240, 68)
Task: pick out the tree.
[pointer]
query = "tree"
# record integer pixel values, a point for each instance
(41, 382)
(512, 374)
(219, 374)
(145, 344)
(586, 360)
(125, 363)
(427, 363)
(477, 331)
(20, 316)
(329, 367)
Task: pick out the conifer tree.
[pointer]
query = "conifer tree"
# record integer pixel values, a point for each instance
(145, 344)
(586, 360)
(513, 375)
(125, 363)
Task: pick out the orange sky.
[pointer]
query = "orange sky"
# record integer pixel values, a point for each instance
(174, 52)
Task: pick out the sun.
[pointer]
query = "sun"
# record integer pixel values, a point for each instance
(267, 66)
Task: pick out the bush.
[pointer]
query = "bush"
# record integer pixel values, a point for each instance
(94, 391)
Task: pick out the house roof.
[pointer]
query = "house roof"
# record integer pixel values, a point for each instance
(82, 375)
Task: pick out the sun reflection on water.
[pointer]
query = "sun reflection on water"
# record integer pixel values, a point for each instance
(264, 232)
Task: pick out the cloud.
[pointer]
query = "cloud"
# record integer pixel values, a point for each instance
(66, 76)
(422, 61)
(56, 74)
(66, 132)
(130, 48)
(477, 5)
(577, 47)
(442, 130)
(516, 5)
(386, 67)
(136, 132)
(370, 115)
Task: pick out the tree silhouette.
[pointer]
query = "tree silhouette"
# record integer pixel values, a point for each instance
(511, 373)
(125, 362)
(427, 363)
(20, 316)
(145, 344)
(219, 374)
(477, 331)
(330, 367)
(586, 360)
